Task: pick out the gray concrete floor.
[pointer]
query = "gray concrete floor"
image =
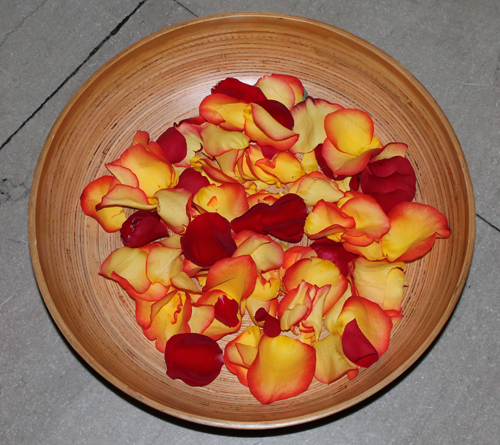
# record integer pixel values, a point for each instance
(48, 395)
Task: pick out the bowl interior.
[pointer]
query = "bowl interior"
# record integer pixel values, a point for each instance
(161, 80)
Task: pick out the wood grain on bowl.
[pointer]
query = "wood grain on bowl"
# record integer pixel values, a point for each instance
(161, 80)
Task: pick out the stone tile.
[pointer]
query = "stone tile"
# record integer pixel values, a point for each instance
(41, 43)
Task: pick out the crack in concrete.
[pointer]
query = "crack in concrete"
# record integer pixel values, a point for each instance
(186, 8)
(487, 222)
(75, 71)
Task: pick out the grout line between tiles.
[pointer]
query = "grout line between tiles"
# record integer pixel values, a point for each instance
(487, 222)
(75, 71)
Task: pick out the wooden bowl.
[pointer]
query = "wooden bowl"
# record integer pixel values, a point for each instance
(161, 80)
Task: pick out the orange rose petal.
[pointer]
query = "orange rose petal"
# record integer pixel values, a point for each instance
(341, 163)
(372, 252)
(223, 110)
(126, 196)
(169, 317)
(380, 281)
(350, 130)
(262, 128)
(143, 313)
(152, 172)
(124, 175)
(228, 200)
(284, 368)
(277, 88)
(320, 273)
(331, 362)
(201, 318)
(163, 263)
(252, 305)
(309, 123)
(233, 276)
(371, 221)
(240, 353)
(155, 292)
(414, 228)
(110, 218)
(316, 186)
(266, 253)
(211, 170)
(173, 205)
(267, 286)
(327, 220)
(217, 141)
(296, 253)
(130, 264)
(295, 306)
(284, 166)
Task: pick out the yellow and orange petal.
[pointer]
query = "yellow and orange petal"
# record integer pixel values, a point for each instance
(284, 368)
(414, 228)
(331, 362)
(228, 200)
(110, 218)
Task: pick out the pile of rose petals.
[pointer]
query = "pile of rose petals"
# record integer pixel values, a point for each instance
(269, 203)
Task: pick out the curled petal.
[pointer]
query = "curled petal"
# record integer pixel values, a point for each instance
(127, 196)
(152, 172)
(414, 228)
(240, 353)
(110, 218)
(208, 239)
(191, 130)
(316, 186)
(372, 321)
(371, 221)
(270, 123)
(141, 228)
(340, 163)
(284, 166)
(296, 253)
(193, 358)
(217, 141)
(277, 88)
(357, 348)
(284, 367)
(266, 253)
(225, 111)
(327, 220)
(173, 208)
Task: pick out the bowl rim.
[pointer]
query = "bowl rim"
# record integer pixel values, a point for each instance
(103, 372)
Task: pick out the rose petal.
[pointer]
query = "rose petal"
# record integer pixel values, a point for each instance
(193, 358)
(208, 239)
(285, 219)
(284, 368)
(141, 228)
(173, 144)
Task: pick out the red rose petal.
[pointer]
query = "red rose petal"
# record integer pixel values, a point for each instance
(226, 311)
(261, 315)
(208, 239)
(239, 90)
(272, 326)
(142, 227)
(251, 220)
(192, 180)
(194, 358)
(173, 144)
(285, 218)
(356, 346)
(318, 153)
